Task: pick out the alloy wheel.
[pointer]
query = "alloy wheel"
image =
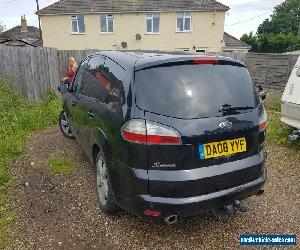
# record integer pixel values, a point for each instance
(102, 181)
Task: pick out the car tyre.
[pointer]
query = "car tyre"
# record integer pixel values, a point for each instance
(105, 195)
(65, 126)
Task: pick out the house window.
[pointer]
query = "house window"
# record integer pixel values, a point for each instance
(183, 50)
(78, 26)
(184, 21)
(152, 22)
(200, 50)
(106, 23)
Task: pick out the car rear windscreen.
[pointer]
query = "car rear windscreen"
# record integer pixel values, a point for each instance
(194, 91)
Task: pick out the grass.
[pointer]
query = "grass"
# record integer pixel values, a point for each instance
(18, 119)
(59, 164)
(278, 131)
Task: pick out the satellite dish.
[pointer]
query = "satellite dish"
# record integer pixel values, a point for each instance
(124, 45)
(138, 37)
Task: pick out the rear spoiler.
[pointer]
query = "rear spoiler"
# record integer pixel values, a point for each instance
(191, 61)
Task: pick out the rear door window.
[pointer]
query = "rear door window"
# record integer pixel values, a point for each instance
(93, 81)
(114, 74)
(194, 91)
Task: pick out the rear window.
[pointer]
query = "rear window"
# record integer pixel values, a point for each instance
(194, 91)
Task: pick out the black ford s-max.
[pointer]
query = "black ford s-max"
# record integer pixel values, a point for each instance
(169, 134)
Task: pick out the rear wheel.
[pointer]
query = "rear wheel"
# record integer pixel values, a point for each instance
(65, 126)
(104, 191)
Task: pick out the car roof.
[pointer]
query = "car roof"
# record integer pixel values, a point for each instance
(144, 59)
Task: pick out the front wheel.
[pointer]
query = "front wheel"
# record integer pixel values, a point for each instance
(104, 191)
(65, 126)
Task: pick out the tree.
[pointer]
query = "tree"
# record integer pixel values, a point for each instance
(280, 33)
(251, 40)
(279, 43)
(285, 19)
(2, 26)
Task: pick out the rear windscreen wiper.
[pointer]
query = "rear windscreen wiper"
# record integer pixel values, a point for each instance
(227, 107)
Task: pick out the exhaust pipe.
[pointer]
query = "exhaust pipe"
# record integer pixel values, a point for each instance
(260, 192)
(172, 219)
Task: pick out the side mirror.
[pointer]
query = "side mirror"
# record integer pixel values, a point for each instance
(262, 93)
(63, 88)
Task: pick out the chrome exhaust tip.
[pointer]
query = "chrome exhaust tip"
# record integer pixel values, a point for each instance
(172, 219)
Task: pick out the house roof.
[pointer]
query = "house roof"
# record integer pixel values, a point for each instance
(121, 6)
(19, 42)
(16, 32)
(31, 37)
(233, 42)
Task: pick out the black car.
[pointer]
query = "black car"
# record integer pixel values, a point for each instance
(169, 134)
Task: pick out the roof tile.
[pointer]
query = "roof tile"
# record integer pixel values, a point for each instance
(121, 6)
(233, 42)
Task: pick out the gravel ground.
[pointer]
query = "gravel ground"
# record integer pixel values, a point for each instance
(56, 211)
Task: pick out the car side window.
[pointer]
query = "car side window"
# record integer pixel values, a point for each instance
(94, 81)
(77, 83)
(115, 75)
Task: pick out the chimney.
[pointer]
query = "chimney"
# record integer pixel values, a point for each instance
(24, 24)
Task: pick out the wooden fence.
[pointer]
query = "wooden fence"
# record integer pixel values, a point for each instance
(34, 71)
(64, 55)
(238, 55)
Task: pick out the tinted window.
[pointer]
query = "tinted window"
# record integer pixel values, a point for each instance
(93, 81)
(101, 78)
(115, 75)
(194, 91)
(77, 83)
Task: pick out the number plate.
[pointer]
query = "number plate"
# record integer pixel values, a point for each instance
(222, 148)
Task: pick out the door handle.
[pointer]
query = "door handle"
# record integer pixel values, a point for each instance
(91, 114)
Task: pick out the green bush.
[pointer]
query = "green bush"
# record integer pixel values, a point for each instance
(18, 119)
(279, 132)
(274, 104)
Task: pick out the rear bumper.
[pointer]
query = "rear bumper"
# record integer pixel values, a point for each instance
(290, 114)
(193, 205)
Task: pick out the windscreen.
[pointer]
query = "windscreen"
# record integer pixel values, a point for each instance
(195, 91)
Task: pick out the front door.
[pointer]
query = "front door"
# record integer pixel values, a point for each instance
(75, 102)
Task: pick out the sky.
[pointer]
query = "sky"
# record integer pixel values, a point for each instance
(244, 15)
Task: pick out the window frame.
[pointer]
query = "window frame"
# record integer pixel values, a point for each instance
(73, 90)
(106, 21)
(204, 50)
(74, 18)
(185, 16)
(150, 16)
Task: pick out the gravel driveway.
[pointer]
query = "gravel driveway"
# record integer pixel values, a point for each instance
(56, 211)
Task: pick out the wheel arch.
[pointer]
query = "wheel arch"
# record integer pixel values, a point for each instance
(100, 142)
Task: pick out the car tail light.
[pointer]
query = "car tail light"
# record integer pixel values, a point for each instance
(153, 213)
(262, 124)
(140, 131)
(205, 60)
